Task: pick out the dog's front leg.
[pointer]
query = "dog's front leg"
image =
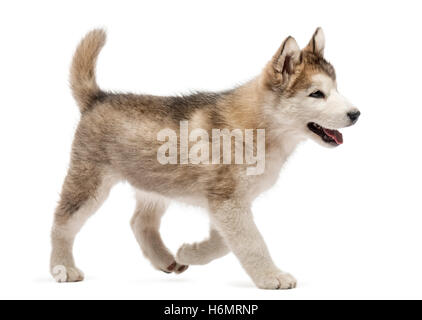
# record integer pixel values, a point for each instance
(203, 252)
(234, 221)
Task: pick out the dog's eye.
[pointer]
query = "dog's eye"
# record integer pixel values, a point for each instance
(317, 94)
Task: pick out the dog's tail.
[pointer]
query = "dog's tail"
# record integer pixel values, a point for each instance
(82, 72)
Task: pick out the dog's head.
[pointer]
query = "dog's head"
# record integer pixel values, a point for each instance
(303, 90)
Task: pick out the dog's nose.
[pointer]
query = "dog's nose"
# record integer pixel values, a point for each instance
(354, 115)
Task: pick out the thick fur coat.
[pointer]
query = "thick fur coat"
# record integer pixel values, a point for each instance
(294, 98)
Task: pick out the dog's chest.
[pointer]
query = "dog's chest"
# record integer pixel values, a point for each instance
(276, 156)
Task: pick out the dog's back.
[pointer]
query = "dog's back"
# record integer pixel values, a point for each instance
(119, 131)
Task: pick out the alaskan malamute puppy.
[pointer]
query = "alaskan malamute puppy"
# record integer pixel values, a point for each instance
(120, 137)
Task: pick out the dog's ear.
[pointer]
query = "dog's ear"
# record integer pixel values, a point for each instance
(317, 43)
(286, 57)
(283, 64)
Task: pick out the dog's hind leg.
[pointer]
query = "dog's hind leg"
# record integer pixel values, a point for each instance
(203, 252)
(145, 225)
(86, 187)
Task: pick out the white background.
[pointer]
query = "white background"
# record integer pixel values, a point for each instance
(345, 222)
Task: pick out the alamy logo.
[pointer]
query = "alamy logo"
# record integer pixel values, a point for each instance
(247, 147)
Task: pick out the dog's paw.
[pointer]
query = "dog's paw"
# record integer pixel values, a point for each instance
(176, 268)
(276, 281)
(186, 254)
(62, 273)
(168, 264)
(190, 254)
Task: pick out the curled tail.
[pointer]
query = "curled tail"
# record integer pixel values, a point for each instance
(82, 72)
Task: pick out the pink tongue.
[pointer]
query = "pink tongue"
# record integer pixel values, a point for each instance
(335, 135)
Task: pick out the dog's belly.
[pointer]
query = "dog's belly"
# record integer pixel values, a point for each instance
(170, 192)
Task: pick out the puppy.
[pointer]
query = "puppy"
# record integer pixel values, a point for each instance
(122, 136)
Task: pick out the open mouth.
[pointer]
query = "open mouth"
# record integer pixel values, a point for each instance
(332, 137)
